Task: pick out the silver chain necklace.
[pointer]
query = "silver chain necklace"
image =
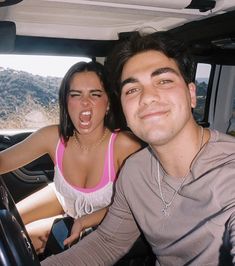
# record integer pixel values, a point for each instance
(166, 204)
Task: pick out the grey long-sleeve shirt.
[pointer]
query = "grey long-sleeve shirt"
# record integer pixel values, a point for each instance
(200, 228)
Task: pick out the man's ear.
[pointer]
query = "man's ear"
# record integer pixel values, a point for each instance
(193, 94)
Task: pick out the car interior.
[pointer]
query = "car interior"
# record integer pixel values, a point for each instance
(91, 29)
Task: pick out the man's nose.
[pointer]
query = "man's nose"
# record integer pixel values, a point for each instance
(149, 94)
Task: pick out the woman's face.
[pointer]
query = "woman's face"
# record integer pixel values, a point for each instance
(87, 102)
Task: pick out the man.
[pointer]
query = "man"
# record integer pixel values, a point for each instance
(180, 190)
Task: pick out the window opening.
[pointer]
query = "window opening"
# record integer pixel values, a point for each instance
(202, 77)
(29, 86)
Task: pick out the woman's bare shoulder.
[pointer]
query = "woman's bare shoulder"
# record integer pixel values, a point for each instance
(127, 138)
(127, 143)
(47, 136)
(51, 131)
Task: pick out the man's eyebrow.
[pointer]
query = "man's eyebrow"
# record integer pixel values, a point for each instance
(157, 72)
(163, 70)
(128, 80)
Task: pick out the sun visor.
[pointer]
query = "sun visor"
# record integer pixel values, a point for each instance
(7, 36)
(169, 4)
(179, 4)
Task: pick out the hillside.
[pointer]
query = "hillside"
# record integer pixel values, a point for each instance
(27, 100)
(18, 87)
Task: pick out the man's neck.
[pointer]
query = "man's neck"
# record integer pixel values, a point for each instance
(177, 156)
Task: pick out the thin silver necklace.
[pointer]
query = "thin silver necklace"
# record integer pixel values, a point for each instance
(166, 204)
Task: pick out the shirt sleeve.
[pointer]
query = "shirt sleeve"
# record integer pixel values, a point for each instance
(225, 195)
(112, 239)
(231, 224)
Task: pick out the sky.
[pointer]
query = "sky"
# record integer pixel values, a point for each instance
(55, 66)
(203, 70)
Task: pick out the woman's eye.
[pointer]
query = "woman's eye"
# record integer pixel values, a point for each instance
(96, 94)
(74, 94)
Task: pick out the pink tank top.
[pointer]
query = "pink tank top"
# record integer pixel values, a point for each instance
(77, 201)
(108, 172)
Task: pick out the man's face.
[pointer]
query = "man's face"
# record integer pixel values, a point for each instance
(155, 98)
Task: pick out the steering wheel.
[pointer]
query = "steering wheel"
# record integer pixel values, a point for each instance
(15, 245)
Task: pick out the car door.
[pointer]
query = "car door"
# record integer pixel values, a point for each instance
(31, 177)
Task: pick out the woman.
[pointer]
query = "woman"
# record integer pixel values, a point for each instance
(86, 151)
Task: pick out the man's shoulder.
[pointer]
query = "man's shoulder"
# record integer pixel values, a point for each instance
(137, 165)
(136, 170)
(219, 150)
(219, 136)
(139, 156)
(224, 140)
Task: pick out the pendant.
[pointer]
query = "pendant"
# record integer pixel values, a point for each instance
(165, 211)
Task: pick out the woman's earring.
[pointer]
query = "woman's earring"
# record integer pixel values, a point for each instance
(107, 110)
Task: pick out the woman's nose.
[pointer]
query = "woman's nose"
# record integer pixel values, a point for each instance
(85, 100)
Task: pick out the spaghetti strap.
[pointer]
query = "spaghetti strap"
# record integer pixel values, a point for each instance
(111, 170)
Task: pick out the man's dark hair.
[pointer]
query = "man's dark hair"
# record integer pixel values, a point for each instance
(66, 127)
(162, 42)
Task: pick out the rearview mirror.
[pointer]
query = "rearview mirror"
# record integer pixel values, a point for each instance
(7, 36)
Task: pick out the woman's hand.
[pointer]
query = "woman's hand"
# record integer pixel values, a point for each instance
(39, 232)
(77, 228)
(86, 221)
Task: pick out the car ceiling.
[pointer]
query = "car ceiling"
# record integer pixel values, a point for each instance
(91, 27)
(100, 20)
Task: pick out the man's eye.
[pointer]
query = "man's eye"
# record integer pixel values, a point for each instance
(131, 91)
(165, 81)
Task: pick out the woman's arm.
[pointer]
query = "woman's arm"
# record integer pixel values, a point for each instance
(94, 218)
(37, 144)
(84, 222)
(39, 205)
